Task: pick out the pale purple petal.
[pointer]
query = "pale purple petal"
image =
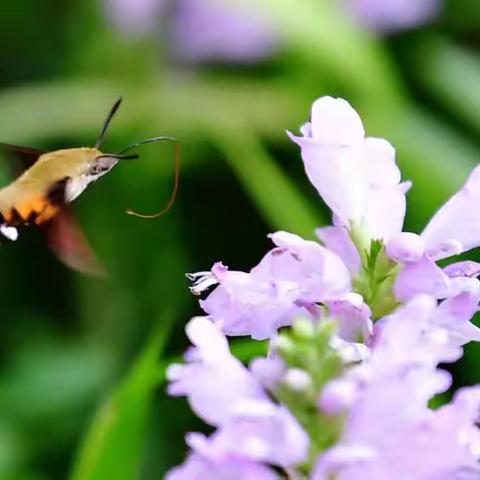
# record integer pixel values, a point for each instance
(288, 282)
(386, 198)
(385, 212)
(406, 247)
(466, 268)
(214, 381)
(334, 122)
(264, 432)
(454, 313)
(422, 277)
(357, 177)
(321, 274)
(338, 396)
(353, 318)
(382, 168)
(349, 352)
(333, 157)
(392, 15)
(389, 430)
(337, 240)
(197, 467)
(134, 17)
(268, 371)
(458, 219)
(206, 30)
(243, 305)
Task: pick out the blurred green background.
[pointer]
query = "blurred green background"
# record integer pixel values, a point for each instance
(83, 360)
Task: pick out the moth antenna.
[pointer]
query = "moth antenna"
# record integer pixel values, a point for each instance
(148, 140)
(173, 196)
(106, 124)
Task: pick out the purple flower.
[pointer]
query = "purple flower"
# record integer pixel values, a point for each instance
(204, 30)
(214, 381)
(288, 282)
(134, 17)
(392, 15)
(339, 242)
(199, 30)
(227, 395)
(357, 177)
(454, 229)
(353, 318)
(207, 464)
(389, 431)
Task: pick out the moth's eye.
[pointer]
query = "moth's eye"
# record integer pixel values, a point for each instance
(98, 168)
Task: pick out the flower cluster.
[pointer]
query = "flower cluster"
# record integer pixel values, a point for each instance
(358, 324)
(225, 30)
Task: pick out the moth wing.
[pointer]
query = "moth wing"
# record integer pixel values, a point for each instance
(26, 156)
(68, 242)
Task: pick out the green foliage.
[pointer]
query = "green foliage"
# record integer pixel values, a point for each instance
(114, 443)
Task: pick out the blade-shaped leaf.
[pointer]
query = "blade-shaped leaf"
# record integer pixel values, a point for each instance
(277, 198)
(112, 447)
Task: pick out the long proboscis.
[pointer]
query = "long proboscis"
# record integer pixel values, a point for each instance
(106, 124)
(148, 140)
(176, 183)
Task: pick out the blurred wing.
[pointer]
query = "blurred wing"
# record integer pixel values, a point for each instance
(25, 156)
(67, 240)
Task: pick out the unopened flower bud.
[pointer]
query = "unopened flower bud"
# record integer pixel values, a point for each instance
(406, 247)
(337, 397)
(297, 380)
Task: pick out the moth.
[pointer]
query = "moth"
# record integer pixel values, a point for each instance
(51, 181)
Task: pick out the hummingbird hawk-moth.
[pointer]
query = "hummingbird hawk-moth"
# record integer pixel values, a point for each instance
(51, 181)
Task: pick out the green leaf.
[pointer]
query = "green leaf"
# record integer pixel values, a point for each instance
(452, 75)
(113, 445)
(277, 198)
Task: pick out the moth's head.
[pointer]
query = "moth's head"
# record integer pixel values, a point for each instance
(95, 164)
(83, 166)
(100, 165)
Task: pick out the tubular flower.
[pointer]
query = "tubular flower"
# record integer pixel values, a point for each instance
(358, 323)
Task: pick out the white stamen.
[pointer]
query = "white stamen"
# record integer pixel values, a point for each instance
(9, 232)
(201, 281)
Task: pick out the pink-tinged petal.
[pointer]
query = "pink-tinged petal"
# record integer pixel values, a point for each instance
(338, 173)
(385, 212)
(333, 157)
(266, 432)
(213, 380)
(446, 249)
(288, 282)
(338, 396)
(323, 272)
(334, 121)
(220, 468)
(458, 219)
(406, 247)
(213, 30)
(455, 312)
(268, 371)
(422, 277)
(405, 186)
(353, 319)
(466, 268)
(337, 240)
(386, 199)
(382, 169)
